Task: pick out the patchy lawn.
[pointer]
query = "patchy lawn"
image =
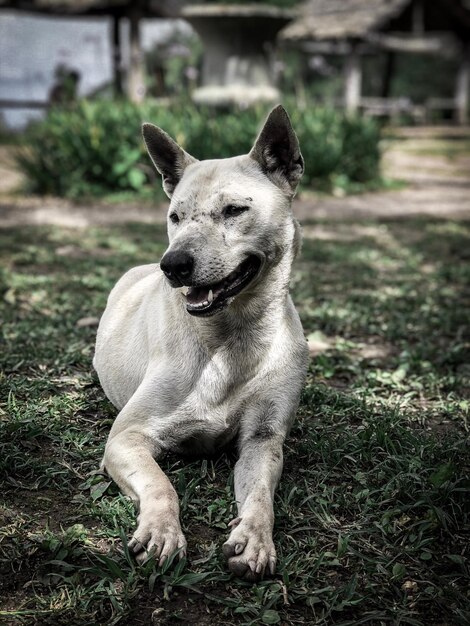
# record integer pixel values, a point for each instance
(372, 521)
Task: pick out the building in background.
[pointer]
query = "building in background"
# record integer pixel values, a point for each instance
(355, 29)
(34, 46)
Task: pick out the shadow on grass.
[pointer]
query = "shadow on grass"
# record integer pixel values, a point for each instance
(404, 283)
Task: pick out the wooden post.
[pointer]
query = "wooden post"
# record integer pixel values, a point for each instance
(352, 80)
(462, 87)
(117, 56)
(136, 76)
(388, 73)
(418, 18)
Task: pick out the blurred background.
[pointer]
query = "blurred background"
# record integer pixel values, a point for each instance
(406, 59)
(345, 69)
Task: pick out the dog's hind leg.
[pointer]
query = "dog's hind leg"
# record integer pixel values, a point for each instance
(130, 460)
(250, 548)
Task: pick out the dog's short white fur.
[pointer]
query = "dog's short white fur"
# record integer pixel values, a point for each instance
(190, 370)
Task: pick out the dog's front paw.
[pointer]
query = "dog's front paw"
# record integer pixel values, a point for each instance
(157, 535)
(250, 549)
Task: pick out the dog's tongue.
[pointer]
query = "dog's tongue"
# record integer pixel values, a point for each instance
(197, 295)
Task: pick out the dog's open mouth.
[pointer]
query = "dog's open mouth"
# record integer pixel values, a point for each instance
(209, 299)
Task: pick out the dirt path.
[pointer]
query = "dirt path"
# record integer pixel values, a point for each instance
(434, 163)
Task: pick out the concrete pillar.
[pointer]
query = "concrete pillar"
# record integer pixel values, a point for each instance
(136, 78)
(352, 80)
(462, 87)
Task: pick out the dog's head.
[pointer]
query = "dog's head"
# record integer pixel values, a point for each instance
(229, 220)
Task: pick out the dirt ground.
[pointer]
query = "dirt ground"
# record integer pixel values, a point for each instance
(434, 164)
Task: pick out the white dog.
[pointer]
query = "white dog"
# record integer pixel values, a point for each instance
(208, 347)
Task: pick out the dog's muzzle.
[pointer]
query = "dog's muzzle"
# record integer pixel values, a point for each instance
(208, 299)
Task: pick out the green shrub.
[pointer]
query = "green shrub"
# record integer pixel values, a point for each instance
(89, 150)
(96, 147)
(360, 154)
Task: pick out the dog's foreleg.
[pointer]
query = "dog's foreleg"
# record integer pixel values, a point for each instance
(129, 460)
(250, 549)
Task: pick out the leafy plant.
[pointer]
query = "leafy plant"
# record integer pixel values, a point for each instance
(96, 148)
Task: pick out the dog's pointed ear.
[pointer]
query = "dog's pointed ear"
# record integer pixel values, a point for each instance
(167, 156)
(277, 150)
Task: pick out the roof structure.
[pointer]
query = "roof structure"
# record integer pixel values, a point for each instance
(354, 19)
(149, 8)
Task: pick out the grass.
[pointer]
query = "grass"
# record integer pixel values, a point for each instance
(372, 521)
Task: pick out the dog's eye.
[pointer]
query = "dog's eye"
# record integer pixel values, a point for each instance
(174, 218)
(232, 210)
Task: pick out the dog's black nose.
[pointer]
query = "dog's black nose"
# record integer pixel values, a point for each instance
(177, 266)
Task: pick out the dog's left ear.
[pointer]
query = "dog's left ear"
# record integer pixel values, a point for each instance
(277, 150)
(168, 157)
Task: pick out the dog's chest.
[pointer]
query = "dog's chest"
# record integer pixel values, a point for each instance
(208, 414)
(218, 387)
